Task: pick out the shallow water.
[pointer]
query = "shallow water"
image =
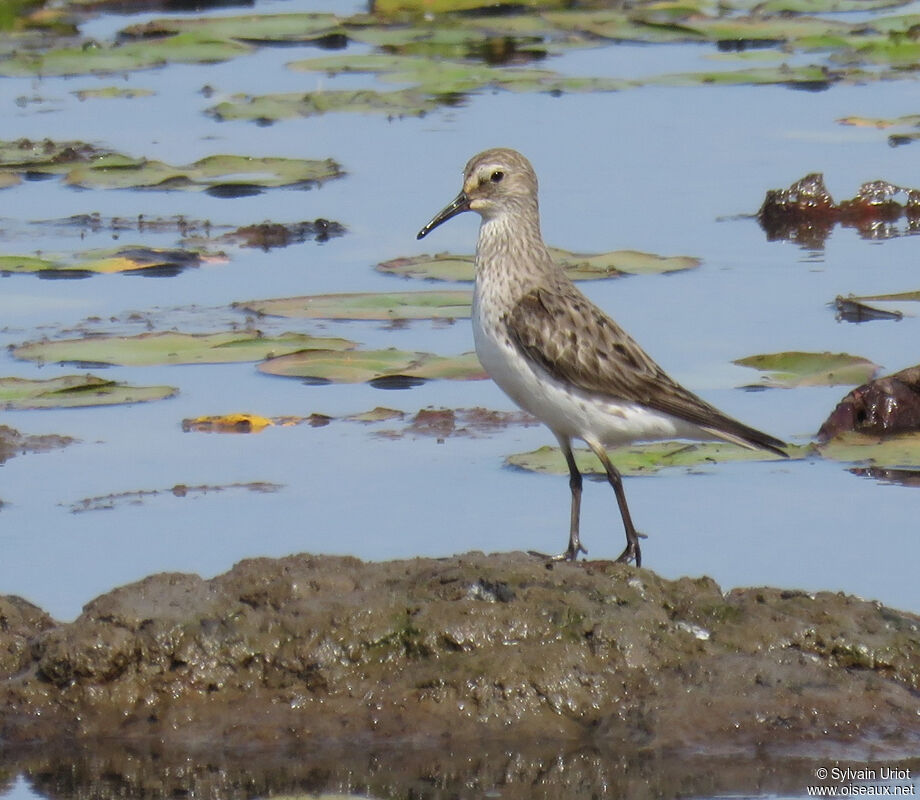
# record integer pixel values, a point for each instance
(659, 169)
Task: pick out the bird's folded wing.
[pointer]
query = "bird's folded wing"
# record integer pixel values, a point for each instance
(576, 343)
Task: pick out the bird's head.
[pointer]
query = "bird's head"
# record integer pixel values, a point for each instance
(495, 182)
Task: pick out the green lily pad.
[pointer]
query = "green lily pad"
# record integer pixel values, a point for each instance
(449, 267)
(367, 305)
(894, 451)
(361, 366)
(270, 108)
(212, 173)
(298, 28)
(76, 391)
(395, 7)
(113, 92)
(643, 459)
(106, 58)
(91, 167)
(786, 370)
(173, 348)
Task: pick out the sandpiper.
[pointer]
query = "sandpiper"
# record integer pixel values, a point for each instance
(556, 354)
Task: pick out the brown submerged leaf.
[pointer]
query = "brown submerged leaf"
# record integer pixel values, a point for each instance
(806, 213)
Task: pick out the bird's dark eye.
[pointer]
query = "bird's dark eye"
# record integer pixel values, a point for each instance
(497, 176)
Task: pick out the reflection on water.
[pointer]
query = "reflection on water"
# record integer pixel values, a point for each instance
(426, 771)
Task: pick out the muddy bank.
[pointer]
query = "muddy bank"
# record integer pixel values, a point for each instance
(311, 651)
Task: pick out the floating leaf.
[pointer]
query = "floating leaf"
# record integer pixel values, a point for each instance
(269, 108)
(439, 267)
(252, 28)
(633, 262)
(794, 368)
(132, 259)
(93, 57)
(220, 175)
(908, 121)
(643, 459)
(893, 451)
(113, 92)
(578, 266)
(894, 297)
(76, 391)
(378, 414)
(361, 366)
(367, 305)
(149, 349)
(91, 167)
(228, 423)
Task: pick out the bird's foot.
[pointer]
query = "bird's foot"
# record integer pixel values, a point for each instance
(631, 553)
(571, 554)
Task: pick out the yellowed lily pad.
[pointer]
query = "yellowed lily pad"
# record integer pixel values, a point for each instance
(578, 266)
(896, 297)
(367, 305)
(362, 366)
(645, 459)
(228, 423)
(75, 391)
(129, 259)
(172, 347)
(786, 370)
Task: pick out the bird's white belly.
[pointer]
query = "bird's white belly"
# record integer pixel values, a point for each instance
(570, 412)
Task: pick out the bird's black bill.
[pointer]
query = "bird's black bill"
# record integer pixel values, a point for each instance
(458, 205)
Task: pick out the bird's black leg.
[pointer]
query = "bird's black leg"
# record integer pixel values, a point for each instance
(632, 551)
(575, 547)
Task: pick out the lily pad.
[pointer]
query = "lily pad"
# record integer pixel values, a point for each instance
(793, 368)
(298, 28)
(268, 108)
(113, 92)
(895, 297)
(91, 167)
(892, 451)
(367, 305)
(643, 459)
(130, 259)
(173, 348)
(361, 366)
(228, 423)
(578, 266)
(76, 391)
(93, 57)
(219, 175)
